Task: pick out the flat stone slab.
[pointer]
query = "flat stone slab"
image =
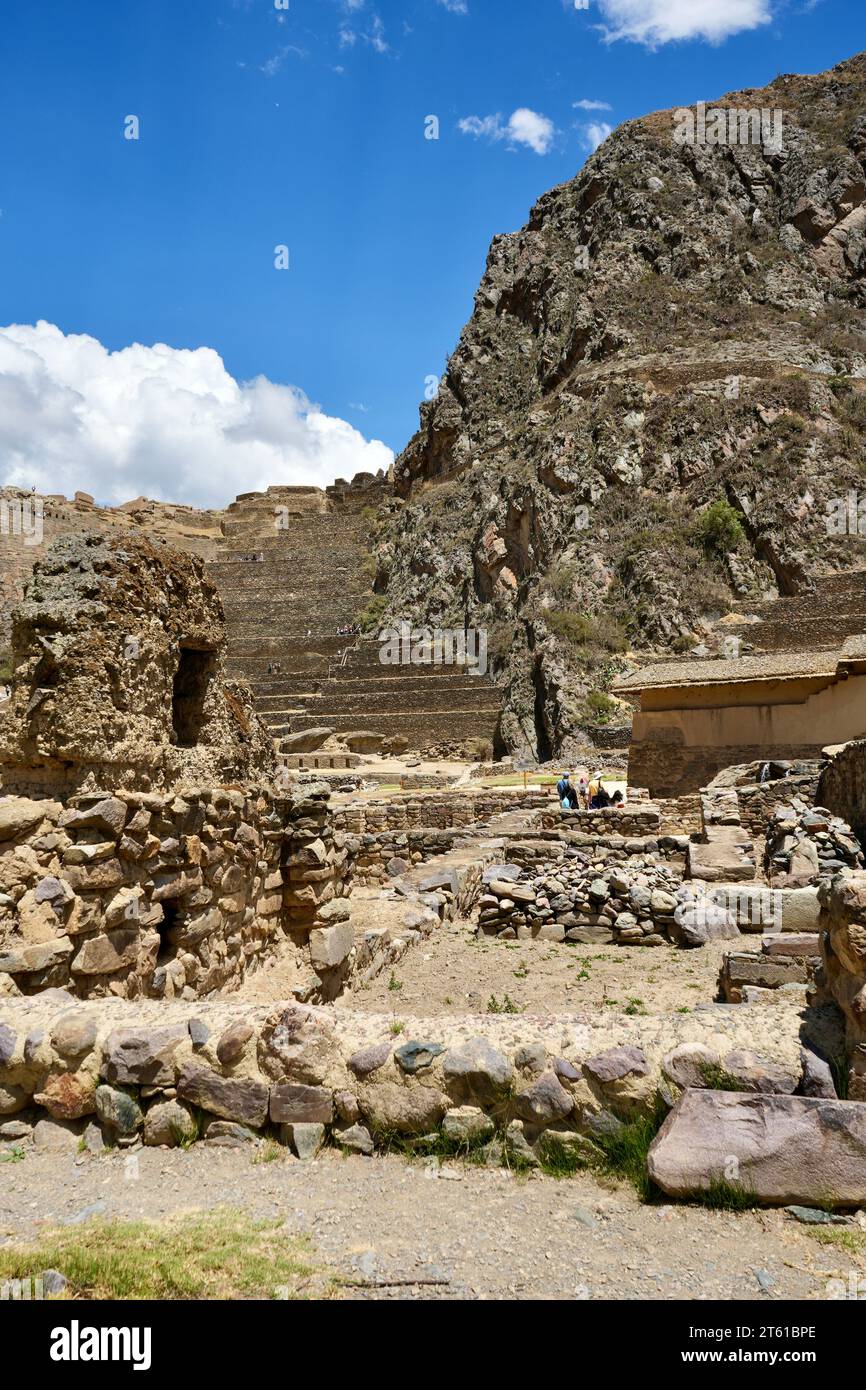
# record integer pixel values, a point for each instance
(779, 1148)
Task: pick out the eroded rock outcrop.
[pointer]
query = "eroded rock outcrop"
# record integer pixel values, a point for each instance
(656, 401)
(119, 677)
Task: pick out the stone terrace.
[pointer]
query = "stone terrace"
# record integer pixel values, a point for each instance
(292, 571)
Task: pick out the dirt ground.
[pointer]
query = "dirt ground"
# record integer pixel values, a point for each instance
(456, 972)
(388, 1227)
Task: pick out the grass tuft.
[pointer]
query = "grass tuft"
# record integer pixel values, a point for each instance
(222, 1254)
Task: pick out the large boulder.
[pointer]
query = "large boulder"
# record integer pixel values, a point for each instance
(363, 741)
(305, 740)
(696, 923)
(781, 1149)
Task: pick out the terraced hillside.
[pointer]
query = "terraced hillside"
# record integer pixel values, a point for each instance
(293, 569)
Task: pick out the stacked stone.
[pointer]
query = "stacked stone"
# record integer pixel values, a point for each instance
(806, 843)
(314, 869)
(640, 819)
(370, 855)
(759, 800)
(230, 1075)
(158, 894)
(458, 808)
(843, 904)
(579, 900)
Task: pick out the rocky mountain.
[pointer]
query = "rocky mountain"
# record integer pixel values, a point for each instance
(656, 410)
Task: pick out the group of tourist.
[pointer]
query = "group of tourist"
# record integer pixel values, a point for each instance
(275, 668)
(349, 630)
(588, 795)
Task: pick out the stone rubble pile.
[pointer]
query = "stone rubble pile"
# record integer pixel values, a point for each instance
(632, 902)
(805, 843)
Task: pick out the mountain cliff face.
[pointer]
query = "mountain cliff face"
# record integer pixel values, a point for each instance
(658, 401)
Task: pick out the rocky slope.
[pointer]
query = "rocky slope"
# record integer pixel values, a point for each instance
(621, 455)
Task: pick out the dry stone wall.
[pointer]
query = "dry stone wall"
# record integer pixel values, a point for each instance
(440, 812)
(166, 895)
(169, 1072)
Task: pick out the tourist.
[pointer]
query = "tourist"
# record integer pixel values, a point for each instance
(270, 669)
(565, 791)
(617, 798)
(583, 794)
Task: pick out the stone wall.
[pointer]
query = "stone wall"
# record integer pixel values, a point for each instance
(441, 812)
(760, 800)
(171, 1072)
(119, 680)
(640, 819)
(843, 920)
(842, 786)
(368, 855)
(672, 768)
(169, 894)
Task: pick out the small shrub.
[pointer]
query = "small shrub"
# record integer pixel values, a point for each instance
(369, 619)
(507, 1006)
(719, 529)
(716, 1078)
(583, 630)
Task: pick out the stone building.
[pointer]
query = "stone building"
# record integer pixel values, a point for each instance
(119, 679)
(696, 717)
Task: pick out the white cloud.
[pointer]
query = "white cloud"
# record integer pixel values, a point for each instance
(654, 22)
(594, 133)
(455, 6)
(374, 35)
(523, 127)
(585, 105)
(529, 128)
(169, 423)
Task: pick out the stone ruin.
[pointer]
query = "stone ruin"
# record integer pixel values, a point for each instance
(119, 676)
(145, 851)
(153, 857)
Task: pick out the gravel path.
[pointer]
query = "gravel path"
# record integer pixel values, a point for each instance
(399, 1229)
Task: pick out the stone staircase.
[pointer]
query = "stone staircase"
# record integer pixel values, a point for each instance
(293, 568)
(726, 852)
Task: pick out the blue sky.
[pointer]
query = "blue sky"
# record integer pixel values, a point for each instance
(305, 127)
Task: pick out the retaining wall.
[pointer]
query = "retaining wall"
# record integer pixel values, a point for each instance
(170, 1072)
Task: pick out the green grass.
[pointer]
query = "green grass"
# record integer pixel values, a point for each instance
(839, 1068)
(723, 1195)
(843, 1237)
(15, 1154)
(624, 1153)
(715, 1078)
(223, 1254)
(504, 1006)
(270, 1152)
